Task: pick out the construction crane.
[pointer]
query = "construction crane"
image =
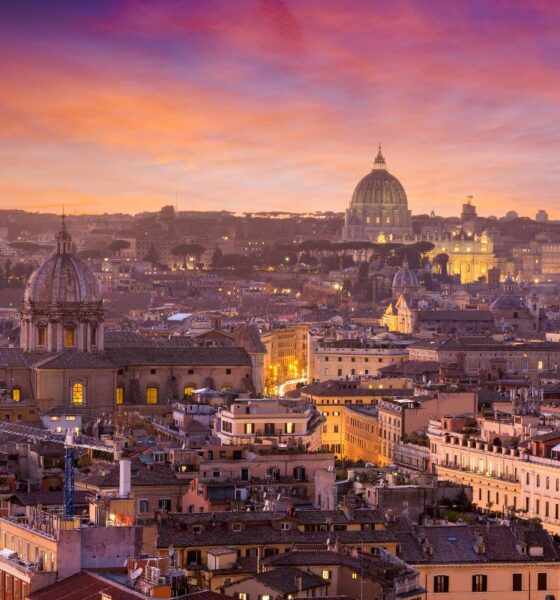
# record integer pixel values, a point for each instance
(70, 440)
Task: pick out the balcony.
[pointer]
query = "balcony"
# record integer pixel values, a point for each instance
(486, 475)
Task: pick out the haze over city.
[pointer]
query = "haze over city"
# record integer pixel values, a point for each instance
(121, 106)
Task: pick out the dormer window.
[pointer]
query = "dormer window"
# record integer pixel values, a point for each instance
(285, 526)
(236, 527)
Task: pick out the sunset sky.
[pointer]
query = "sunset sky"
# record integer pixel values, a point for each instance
(278, 104)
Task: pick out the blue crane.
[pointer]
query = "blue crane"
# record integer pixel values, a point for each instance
(70, 440)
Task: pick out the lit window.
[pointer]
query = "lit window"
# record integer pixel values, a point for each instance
(69, 337)
(54, 418)
(41, 336)
(189, 390)
(290, 428)
(354, 575)
(59, 429)
(119, 395)
(152, 395)
(16, 394)
(78, 394)
(71, 418)
(326, 574)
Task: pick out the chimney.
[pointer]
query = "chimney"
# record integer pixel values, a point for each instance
(124, 478)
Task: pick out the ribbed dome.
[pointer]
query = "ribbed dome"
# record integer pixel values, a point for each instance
(63, 278)
(507, 302)
(405, 277)
(379, 187)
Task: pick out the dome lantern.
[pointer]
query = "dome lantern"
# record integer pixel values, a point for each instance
(379, 163)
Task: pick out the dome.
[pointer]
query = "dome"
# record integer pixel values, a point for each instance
(379, 188)
(63, 278)
(508, 302)
(405, 277)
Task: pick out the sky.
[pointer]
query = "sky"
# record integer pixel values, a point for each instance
(251, 105)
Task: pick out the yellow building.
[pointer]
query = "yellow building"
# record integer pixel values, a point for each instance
(470, 256)
(331, 398)
(503, 479)
(286, 357)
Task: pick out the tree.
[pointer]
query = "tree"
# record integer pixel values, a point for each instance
(89, 254)
(185, 250)
(117, 246)
(152, 256)
(441, 261)
(216, 257)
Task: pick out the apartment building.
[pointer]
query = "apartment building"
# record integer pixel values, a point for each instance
(522, 477)
(355, 357)
(480, 356)
(270, 421)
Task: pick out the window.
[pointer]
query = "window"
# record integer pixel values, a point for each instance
(354, 575)
(249, 428)
(16, 394)
(94, 336)
(41, 336)
(441, 584)
(165, 504)
(228, 371)
(479, 583)
(517, 582)
(541, 581)
(77, 394)
(326, 574)
(243, 596)
(189, 390)
(119, 395)
(69, 337)
(152, 395)
(264, 597)
(285, 526)
(143, 506)
(153, 371)
(290, 428)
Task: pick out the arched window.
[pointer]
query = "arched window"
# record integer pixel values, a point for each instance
(77, 394)
(69, 337)
(119, 395)
(16, 393)
(151, 395)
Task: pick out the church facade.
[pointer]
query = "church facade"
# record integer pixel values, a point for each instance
(67, 360)
(378, 210)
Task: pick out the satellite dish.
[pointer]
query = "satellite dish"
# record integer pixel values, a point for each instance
(136, 573)
(125, 563)
(170, 550)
